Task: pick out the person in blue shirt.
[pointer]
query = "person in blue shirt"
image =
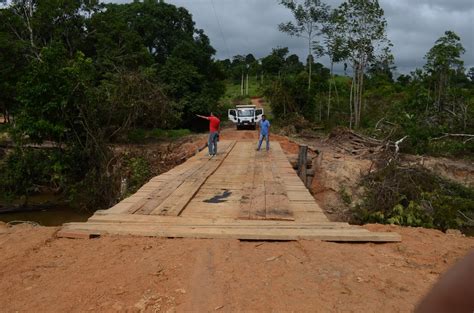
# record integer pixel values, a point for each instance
(264, 132)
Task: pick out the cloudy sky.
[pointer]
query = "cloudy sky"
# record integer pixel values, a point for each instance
(251, 26)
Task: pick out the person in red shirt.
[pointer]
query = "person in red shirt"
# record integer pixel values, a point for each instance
(214, 124)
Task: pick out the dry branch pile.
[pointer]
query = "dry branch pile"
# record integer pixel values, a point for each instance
(362, 146)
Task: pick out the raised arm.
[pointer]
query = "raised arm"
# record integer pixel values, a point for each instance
(202, 116)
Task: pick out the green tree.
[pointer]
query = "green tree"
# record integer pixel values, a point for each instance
(309, 21)
(470, 74)
(293, 64)
(363, 27)
(275, 61)
(12, 62)
(336, 50)
(442, 61)
(80, 74)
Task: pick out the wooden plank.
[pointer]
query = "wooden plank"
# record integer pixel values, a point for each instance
(243, 225)
(178, 220)
(256, 209)
(277, 205)
(121, 207)
(178, 200)
(180, 197)
(300, 196)
(247, 188)
(148, 204)
(218, 195)
(347, 235)
(212, 210)
(257, 205)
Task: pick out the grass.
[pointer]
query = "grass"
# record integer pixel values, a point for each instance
(233, 92)
(233, 88)
(142, 135)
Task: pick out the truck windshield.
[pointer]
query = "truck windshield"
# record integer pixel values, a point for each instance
(246, 113)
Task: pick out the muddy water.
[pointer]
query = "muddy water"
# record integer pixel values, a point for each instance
(44, 209)
(47, 217)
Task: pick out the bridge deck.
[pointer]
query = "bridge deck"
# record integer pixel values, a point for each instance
(240, 193)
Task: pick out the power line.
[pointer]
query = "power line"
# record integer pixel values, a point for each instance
(220, 30)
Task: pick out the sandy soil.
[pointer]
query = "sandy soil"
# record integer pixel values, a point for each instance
(42, 273)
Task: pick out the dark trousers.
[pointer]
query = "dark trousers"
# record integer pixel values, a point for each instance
(212, 143)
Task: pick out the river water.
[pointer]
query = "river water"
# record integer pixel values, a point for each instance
(47, 217)
(45, 209)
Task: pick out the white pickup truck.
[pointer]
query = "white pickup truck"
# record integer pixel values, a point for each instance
(246, 115)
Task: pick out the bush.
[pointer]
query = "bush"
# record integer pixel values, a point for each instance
(139, 173)
(413, 196)
(24, 172)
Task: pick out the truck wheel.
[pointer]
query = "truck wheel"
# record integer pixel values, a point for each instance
(238, 127)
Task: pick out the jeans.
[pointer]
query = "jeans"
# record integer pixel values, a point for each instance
(267, 141)
(212, 143)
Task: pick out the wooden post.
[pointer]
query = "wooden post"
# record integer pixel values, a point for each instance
(315, 166)
(302, 162)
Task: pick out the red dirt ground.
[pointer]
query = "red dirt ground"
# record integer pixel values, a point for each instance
(42, 273)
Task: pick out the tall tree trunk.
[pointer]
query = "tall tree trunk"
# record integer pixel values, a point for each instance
(361, 90)
(242, 84)
(310, 61)
(330, 87)
(351, 97)
(247, 85)
(320, 110)
(356, 96)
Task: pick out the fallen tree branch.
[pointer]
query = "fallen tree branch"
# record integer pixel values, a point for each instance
(469, 220)
(445, 135)
(398, 142)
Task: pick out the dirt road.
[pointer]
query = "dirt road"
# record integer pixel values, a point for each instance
(41, 273)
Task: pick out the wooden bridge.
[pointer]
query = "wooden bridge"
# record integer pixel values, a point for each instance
(241, 193)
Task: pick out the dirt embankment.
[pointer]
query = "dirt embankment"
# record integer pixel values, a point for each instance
(336, 183)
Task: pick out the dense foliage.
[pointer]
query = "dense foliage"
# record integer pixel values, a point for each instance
(77, 75)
